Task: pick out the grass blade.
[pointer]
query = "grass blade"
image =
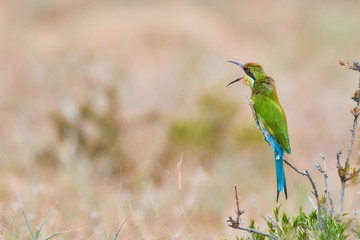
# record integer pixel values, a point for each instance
(47, 217)
(26, 219)
(53, 235)
(119, 229)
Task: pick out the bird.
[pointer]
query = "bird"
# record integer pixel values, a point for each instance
(269, 115)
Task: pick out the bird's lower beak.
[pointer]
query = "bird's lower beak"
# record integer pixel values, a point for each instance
(248, 81)
(236, 80)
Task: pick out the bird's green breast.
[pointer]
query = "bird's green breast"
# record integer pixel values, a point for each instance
(270, 113)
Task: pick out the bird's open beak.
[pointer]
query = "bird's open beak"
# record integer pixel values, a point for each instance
(247, 80)
(239, 79)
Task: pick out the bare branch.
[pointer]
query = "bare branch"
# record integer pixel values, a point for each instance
(326, 190)
(250, 230)
(323, 172)
(236, 224)
(355, 112)
(338, 154)
(344, 171)
(238, 211)
(341, 204)
(306, 173)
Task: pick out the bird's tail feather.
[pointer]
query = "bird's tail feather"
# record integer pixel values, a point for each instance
(279, 162)
(280, 175)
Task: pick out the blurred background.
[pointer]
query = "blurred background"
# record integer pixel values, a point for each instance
(118, 110)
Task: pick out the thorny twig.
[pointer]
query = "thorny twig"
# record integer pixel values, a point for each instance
(237, 223)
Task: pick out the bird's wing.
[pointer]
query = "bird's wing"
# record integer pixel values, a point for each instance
(272, 116)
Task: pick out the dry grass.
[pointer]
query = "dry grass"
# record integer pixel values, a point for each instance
(161, 60)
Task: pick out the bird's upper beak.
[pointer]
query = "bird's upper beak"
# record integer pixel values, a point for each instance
(239, 64)
(247, 80)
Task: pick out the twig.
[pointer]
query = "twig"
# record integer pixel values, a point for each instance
(343, 172)
(356, 67)
(307, 174)
(236, 224)
(238, 211)
(315, 192)
(341, 204)
(251, 230)
(355, 113)
(338, 154)
(324, 173)
(326, 190)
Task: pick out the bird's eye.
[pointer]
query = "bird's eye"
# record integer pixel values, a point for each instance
(249, 73)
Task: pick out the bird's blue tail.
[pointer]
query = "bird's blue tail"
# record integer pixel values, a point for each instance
(279, 163)
(280, 174)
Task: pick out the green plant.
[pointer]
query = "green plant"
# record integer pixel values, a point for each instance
(35, 235)
(305, 226)
(302, 227)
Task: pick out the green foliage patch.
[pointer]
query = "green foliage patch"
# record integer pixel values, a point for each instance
(302, 227)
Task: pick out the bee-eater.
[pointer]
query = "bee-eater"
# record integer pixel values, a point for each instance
(269, 114)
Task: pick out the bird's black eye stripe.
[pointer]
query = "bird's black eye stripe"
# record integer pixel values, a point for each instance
(248, 72)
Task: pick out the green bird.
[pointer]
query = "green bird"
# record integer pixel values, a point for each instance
(270, 116)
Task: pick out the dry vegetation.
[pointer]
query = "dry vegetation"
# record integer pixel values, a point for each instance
(117, 110)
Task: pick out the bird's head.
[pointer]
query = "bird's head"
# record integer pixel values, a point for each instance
(253, 72)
